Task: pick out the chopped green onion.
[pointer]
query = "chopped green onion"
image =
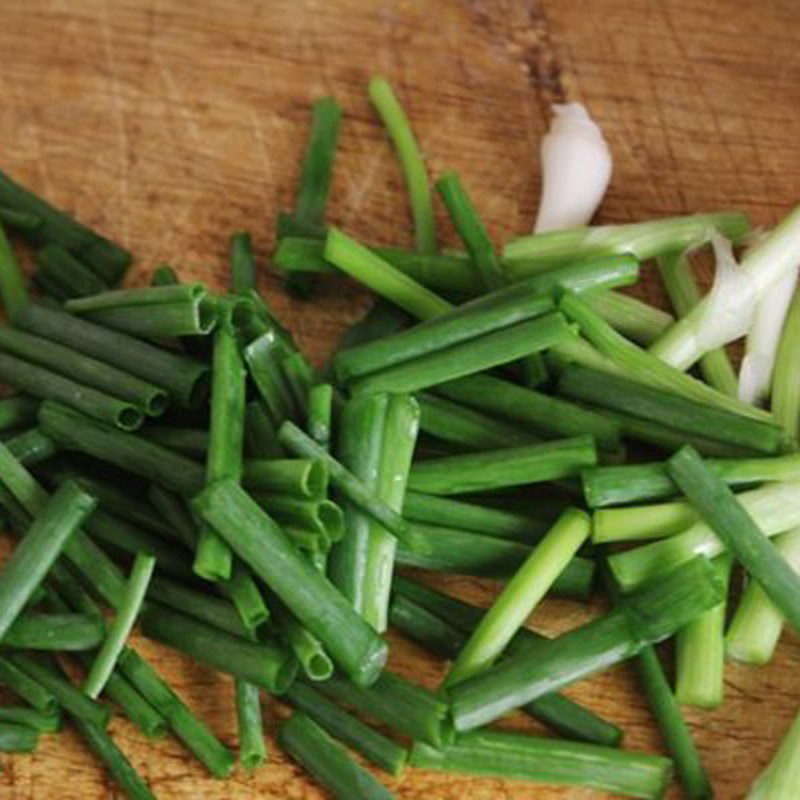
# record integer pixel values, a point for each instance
(632, 317)
(261, 663)
(397, 702)
(30, 562)
(191, 442)
(17, 738)
(374, 746)
(738, 531)
(700, 651)
(411, 162)
(184, 378)
(501, 754)
(531, 254)
(300, 477)
(521, 595)
(252, 748)
(310, 597)
(190, 730)
(757, 624)
(786, 377)
(120, 628)
(653, 614)
(658, 405)
(57, 266)
(380, 276)
(679, 282)
(511, 466)
(243, 268)
(31, 718)
(305, 741)
(320, 413)
(26, 688)
(631, 483)
(62, 632)
(544, 414)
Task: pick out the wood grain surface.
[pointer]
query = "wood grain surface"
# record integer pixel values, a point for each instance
(167, 125)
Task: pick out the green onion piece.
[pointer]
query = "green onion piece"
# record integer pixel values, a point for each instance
(100, 572)
(320, 413)
(380, 276)
(31, 718)
(630, 316)
(502, 754)
(164, 275)
(457, 424)
(190, 730)
(55, 265)
(786, 375)
(411, 162)
(67, 632)
(213, 558)
(114, 760)
(262, 358)
(73, 701)
(757, 624)
(153, 312)
(542, 413)
(775, 507)
(651, 615)
(299, 477)
(307, 649)
(475, 355)
(684, 293)
(120, 628)
(446, 272)
(183, 378)
(658, 405)
(397, 445)
(26, 688)
(243, 268)
(306, 742)
(263, 664)
(302, 446)
(738, 531)
(323, 516)
(17, 738)
(513, 755)
(631, 483)
(13, 290)
(764, 263)
(511, 466)
(404, 706)
(48, 385)
(644, 367)
(700, 651)
(780, 778)
(29, 563)
(149, 460)
(645, 240)
(449, 550)
(520, 596)
(308, 595)
(299, 378)
(31, 447)
(344, 727)
(192, 442)
(503, 524)
(252, 748)
(362, 423)
(471, 229)
(558, 712)
(203, 606)
(107, 259)
(637, 523)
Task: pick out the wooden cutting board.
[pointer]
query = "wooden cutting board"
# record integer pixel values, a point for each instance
(168, 125)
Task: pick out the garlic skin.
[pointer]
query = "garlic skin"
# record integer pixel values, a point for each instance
(576, 169)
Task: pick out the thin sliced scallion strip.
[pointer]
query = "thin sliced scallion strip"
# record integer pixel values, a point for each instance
(413, 166)
(120, 628)
(520, 596)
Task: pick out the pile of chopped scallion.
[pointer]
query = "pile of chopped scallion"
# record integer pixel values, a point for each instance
(172, 461)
